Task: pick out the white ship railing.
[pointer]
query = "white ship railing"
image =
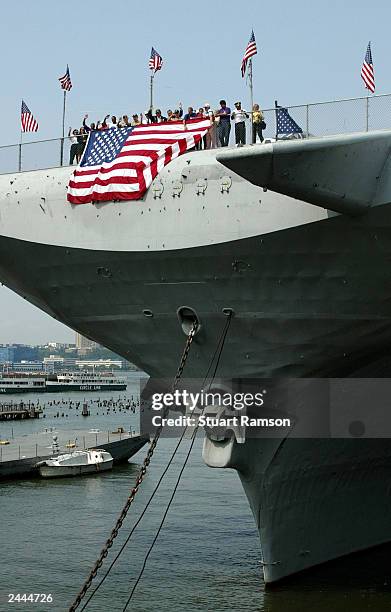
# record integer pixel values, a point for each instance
(316, 119)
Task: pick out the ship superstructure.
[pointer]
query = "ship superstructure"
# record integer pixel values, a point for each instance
(84, 381)
(14, 382)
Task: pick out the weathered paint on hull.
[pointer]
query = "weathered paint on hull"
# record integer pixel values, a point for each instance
(313, 500)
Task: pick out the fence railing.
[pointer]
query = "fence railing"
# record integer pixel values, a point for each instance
(316, 119)
(41, 445)
(336, 116)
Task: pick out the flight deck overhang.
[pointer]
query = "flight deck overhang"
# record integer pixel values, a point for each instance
(339, 173)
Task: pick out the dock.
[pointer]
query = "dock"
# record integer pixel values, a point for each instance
(19, 456)
(15, 412)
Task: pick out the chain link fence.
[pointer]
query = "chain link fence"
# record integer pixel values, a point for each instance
(336, 116)
(316, 120)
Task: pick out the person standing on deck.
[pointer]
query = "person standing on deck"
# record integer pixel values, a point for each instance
(239, 116)
(224, 126)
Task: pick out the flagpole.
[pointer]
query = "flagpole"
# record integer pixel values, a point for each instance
(20, 152)
(367, 112)
(250, 80)
(63, 129)
(151, 94)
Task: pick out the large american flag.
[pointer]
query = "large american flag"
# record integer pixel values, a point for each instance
(27, 121)
(121, 163)
(65, 81)
(251, 50)
(367, 72)
(155, 61)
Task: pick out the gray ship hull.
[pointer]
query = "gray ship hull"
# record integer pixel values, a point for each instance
(312, 500)
(306, 300)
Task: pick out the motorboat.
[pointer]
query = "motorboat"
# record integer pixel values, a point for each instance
(76, 463)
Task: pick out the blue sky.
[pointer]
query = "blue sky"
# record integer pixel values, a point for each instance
(307, 51)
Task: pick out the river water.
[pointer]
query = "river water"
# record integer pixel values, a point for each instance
(206, 558)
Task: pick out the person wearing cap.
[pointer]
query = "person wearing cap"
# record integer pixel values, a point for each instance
(239, 116)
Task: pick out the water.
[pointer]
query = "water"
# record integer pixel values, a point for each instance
(206, 558)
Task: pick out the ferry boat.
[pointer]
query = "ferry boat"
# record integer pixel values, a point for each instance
(84, 381)
(13, 382)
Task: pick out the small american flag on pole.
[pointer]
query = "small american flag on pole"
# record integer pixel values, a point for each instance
(121, 163)
(155, 61)
(28, 123)
(65, 81)
(367, 72)
(251, 50)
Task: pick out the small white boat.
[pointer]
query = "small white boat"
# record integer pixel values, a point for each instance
(76, 463)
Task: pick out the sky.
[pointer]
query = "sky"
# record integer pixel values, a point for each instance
(308, 51)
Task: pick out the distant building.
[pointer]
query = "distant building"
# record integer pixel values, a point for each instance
(55, 362)
(100, 363)
(84, 343)
(59, 345)
(26, 366)
(17, 352)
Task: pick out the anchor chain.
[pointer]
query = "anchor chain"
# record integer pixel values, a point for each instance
(143, 470)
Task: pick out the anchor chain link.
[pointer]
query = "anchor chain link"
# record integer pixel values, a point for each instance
(143, 470)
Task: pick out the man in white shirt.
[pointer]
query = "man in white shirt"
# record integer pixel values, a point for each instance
(113, 123)
(239, 116)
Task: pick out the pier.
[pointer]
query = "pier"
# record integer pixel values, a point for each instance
(15, 412)
(19, 455)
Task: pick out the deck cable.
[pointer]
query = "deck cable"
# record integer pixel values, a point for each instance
(218, 349)
(194, 436)
(141, 474)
